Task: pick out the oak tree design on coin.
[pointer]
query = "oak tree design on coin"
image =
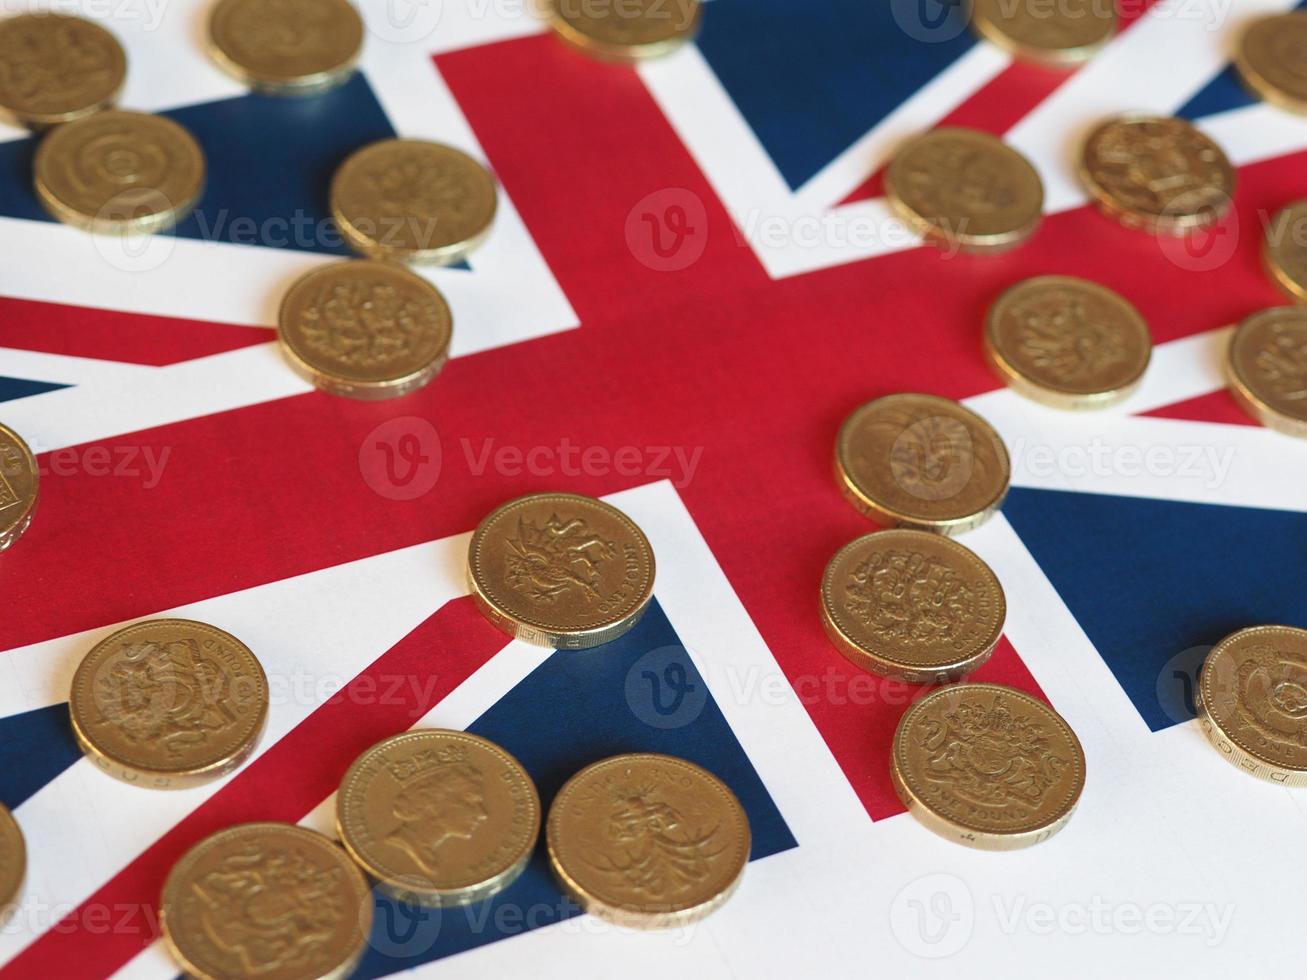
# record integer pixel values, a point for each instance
(19, 486)
(914, 606)
(286, 47)
(439, 817)
(1268, 368)
(648, 841)
(962, 188)
(1285, 249)
(266, 900)
(1067, 342)
(55, 68)
(1252, 702)
(13, 862)
(987, 766)
(1272, 59)
(561, 570)
(1157, 173)
(168, 703)
(1060, 35)
(413, 201)
(120, 172)
(625, 30)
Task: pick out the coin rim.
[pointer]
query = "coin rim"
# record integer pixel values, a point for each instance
(11, 532)
(1243, 391)
(1258, 85)
(988, 29)
(621, 54)
(40, 121)
(9, 825)
(1294, 288)
(294, 85)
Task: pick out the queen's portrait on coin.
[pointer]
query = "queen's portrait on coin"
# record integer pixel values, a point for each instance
(443, 802)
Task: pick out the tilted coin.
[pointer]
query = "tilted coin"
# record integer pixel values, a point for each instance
(268, 900)
(962, 188)
(1067, 342)
(987, 766)
(625, 30)
(561, 570)
(286, 47)
(13, 862)
(1268, 368)
(1157, 173)
(120, 172)
(648, 841)
(921, 461)
(1060, 35)
(1252, 702)
(1285, 249)
(413, 201)
(911, 605)
(55, 68)
(1272, 59)
(439, 817)
(168, 703)
(365, 330)
(19, 486)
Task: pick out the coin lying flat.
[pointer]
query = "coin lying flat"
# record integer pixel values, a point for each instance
(13, 862)
(268, 900)
(1272, 59)
(19, 486)
(413, 201)
(439, 817)
(1067, 342)
(1157, 173)
(648, 841)
(286, 47)
(1268, 368)
(1060, 35)
(169, 703)
(961, 188)
(120, 172)
(923, 462)
(625, 30)
(1285, 249)
(987, 766)
(55, 68)
(561, 570)
(911, 605)
(365, 330)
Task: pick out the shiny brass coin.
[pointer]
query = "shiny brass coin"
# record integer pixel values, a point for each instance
(1285, 250)
(1272, 60)
(987, 766)
(1268, 368)
(439, 817)
(1060, 35)
(365, 330)
(169, 703)
(13, 863)
(1250, 701)
(19, 486)
(625, 30)
(120, 172)
(913, 606)
(1157, 173)
(923, 462)
(267, 900)
(561, 570)
(961, 188)
(648, 841)
(1067, 342)
(55, 68)
(286, 47)
(413, 201)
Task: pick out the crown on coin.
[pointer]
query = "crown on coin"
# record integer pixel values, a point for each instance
(426, 761)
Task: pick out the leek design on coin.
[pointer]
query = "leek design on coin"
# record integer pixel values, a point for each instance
(625, 30)
(561, 570)
(1267, 367)
(1061, 35)
(169, 703)
(268, 900)
(439, 817)
(19, 486)
(55, 69)
(648, 841)
(1272, 60)
(13, 863)
(987, 766)
(286, 47)
(1285, 249)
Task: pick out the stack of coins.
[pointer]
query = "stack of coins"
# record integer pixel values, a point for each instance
(1061, 35)
(625, 30)
(55, 69)
(1285, 250)
(1270, 60)
(1267, 367)
(292, 47)
(20, 486)
(13, 863)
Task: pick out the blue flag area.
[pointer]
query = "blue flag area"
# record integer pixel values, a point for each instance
(1155, 583)
(11, 388)
(35, 747)
(1224, 92)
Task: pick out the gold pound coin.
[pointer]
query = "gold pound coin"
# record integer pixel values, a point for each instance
(1067, 342)
(1268, 368)
(55, 68)
(120, 173)
(1060, 35)
(922, 462)
(365, 330)
(561, 570)
(267, 900)
(169, 703)
(413, 201)
(1285, 250)
(1250, 695)
(648, 841)
(1157, 173)
(286, 47)
(1272, 60)
(914, 606)
(13, 863)
(19, 486)
(625, 30)
(965, 189)
(439, 817)
(956, 753)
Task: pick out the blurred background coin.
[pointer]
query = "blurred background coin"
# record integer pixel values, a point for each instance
(55, 68)
(13, 863)
(1060, 35)
(1267, 367)
(1285, 249)
(625, 30)
(19, 486)
(286, 47)
(1271, 57)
